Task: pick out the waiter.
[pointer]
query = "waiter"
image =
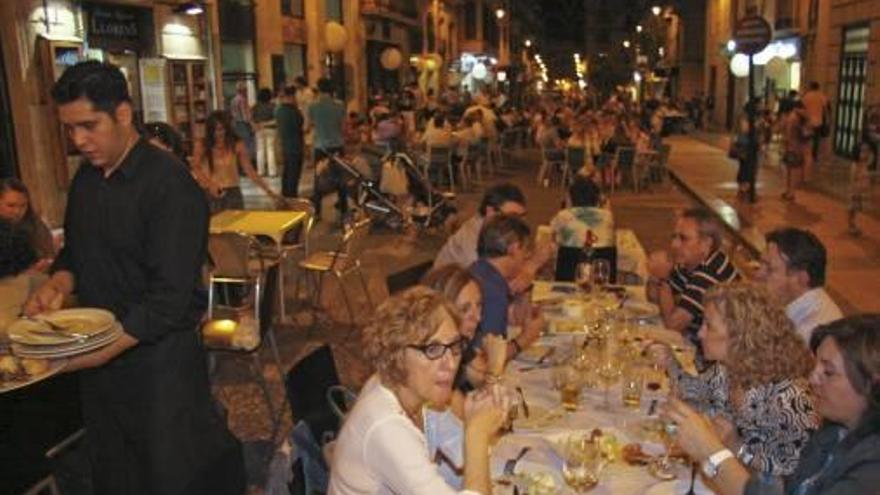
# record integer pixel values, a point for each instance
(135, 240)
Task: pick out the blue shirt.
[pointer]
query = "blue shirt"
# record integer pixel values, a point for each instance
(496, 299)
(327, 115)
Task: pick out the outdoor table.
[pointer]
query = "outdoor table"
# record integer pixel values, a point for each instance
(273, 225)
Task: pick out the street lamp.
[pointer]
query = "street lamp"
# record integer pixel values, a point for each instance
(626, 43)
(656, 10)
(500, 13)
(638, 28)
(528, 43)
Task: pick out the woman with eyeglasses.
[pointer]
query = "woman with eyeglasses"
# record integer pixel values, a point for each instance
(843, 456)
(415, 344)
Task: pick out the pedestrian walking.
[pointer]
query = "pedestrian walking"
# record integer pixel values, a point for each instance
(797, 134)
(240, 111)
(817, 110)
(326, 117)
(860, 183)
(263, 117)
(742, 150)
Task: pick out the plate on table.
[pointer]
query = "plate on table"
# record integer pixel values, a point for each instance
(641, 310)
(17, 372)
(76, 324)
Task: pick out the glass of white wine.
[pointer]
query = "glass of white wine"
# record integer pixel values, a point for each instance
(582, 462)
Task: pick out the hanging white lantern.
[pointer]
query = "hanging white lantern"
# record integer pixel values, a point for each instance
(480, 72)
(335, 36)
(739, 65)
(775, 68)
(391, 58)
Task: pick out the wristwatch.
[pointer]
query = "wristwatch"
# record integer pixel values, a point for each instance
(711, 465)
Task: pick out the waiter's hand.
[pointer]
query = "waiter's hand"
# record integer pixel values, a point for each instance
(48, 297)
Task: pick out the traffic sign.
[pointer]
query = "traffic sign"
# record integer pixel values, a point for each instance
(752, 33)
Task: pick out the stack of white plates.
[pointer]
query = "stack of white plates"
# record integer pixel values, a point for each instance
(63, 333)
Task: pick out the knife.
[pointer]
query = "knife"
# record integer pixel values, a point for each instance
(547, 354)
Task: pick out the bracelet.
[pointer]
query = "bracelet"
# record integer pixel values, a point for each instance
(516, 347)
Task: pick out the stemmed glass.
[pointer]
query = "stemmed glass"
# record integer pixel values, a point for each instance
(609, 370)
(661, 467)
(601, 273)
(582, 463)
(584, 276)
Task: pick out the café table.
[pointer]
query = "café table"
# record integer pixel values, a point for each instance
(271, 225)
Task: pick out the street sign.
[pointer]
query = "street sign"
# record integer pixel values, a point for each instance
(752, 33)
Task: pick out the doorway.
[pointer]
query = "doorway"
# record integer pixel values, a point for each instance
(8, 163)
(852, 81)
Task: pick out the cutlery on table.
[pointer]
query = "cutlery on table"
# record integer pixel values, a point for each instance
(53, 326)
(59, 333)
(525, 405)
(510, 465)
(544, 357)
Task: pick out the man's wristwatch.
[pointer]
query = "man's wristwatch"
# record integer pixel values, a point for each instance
(711, 465)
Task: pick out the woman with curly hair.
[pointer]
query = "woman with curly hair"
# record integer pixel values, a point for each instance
(843, 456)
(415, 345)
(757, 390)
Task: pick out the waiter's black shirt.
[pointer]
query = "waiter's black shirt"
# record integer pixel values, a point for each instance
(136, 241)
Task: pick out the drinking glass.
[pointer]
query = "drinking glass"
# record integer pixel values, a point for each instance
(608, 373)
(661, 467)
(601, 273)
(582, 463)
(568, 381)
(631, 386)
(584, 276)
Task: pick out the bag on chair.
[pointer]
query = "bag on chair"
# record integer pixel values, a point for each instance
(394, 180)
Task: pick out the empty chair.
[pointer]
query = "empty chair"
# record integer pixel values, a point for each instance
(440, 159)
(342, 262)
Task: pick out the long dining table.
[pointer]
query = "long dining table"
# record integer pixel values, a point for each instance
(539, 472)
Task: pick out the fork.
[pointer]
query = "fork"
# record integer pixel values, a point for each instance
(54, 326)
(510, 465)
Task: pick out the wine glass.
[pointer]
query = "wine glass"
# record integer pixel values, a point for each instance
(608, 373)
(581, 463)
(584, 276)
(661, 467)
(601, 273)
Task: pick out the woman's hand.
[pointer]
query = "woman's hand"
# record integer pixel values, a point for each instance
(41, 266)
(485, 410)
(696, 434)
(726, 431)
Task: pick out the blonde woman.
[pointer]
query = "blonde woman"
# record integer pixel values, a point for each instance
(757, 392)
(415, 345)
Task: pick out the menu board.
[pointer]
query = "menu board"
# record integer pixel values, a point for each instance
(154, 89)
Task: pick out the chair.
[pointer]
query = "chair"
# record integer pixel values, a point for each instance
(295, 241)
(625, 161)
(552, 161)
(574, 160)
(344, 261)
(657, 170)
(237, 260)
(440, 157)
(473, 160)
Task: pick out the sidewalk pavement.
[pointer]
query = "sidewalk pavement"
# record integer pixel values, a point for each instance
(853, 275)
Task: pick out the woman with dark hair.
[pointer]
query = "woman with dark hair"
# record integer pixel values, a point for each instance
(16, 257)
(585, 222)
(167, 138)
(16, 208)
(843, 456)
(218, 156)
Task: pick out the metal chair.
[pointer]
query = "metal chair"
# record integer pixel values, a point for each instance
(552, 162)
(344, 261)
(237, 259)
(440, 157)
(574, 161)
(658, 170)
(624, 161)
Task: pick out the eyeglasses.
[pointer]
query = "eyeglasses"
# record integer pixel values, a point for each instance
(436, 350)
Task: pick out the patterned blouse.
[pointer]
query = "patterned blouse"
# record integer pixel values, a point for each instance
(774, 421)
(573, 226)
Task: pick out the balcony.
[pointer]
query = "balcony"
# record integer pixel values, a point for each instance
(402, 11)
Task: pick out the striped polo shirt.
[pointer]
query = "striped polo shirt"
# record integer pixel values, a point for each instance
(689, 286)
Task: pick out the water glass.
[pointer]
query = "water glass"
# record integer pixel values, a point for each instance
(601, 273)
(631, 387)
(582, 463)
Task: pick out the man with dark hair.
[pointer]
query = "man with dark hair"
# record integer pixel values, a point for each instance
(135, 242)
(817, 109)
(584, 223)
(290, 131)
(677, 283)
(461, 247)
(793, 269)
(503, 250)
(326, 116)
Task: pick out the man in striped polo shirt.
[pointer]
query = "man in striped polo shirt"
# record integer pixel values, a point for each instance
(677, 282)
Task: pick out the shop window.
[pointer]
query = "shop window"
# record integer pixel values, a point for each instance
(237, 20)
(333, 10)
(293, 8)
(852, 80)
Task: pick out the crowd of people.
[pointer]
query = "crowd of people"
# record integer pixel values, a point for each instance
(787, 399)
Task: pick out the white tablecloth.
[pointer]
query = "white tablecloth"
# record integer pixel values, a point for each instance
(618, 478)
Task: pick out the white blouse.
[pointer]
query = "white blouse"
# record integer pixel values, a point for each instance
(380, 451)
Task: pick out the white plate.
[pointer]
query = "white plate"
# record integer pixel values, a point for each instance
(83, 321)
(54, 367)
(67, 350)
(641, 310)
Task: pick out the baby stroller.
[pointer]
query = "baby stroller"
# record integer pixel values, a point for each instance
(430, 208)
